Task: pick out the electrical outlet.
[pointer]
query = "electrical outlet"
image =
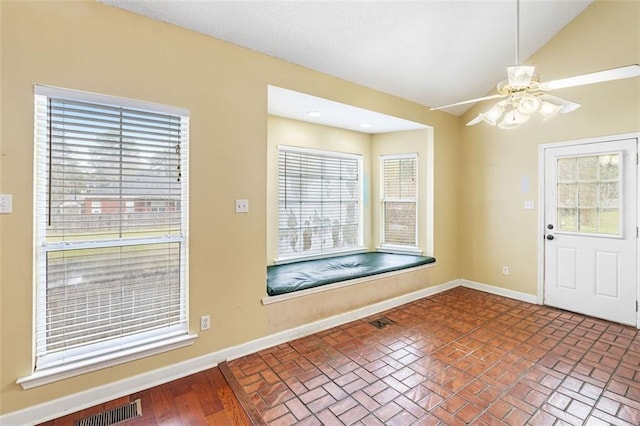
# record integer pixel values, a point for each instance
(205, 322)
(505, 270)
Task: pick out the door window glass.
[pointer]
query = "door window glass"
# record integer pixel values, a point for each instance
(589, 194)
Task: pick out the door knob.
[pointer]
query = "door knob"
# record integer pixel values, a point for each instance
(550, 237)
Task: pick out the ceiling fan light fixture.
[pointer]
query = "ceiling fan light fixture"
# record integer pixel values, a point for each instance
(513, 119)
(548, 110)
(528, 104)
(520, 75)
(525, 93)
(491, 117)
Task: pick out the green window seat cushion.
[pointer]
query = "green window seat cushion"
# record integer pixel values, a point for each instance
(298, 276)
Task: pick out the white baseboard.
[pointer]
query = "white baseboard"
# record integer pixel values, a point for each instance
(324, 324)
(60, 407)
(523, 297)
(69, 404)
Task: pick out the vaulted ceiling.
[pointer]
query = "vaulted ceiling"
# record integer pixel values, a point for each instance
(433, 52)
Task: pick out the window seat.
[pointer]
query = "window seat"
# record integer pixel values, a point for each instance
(306, 274)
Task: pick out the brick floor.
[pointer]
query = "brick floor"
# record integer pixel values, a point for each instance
(459, 357)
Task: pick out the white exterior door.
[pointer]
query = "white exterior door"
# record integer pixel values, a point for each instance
(590, 258)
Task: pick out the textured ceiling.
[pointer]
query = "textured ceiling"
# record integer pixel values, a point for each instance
(295, 105)
(432, 52)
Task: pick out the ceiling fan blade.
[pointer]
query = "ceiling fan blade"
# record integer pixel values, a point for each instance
(476, 120)
(470, 101)
(594, 77)
(565, 104)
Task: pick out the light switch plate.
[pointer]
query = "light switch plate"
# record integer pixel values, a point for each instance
(242, 206)
(529, 205)
(6, 203)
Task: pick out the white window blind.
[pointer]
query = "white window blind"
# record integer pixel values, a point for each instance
(319, 202)
(111, 224)
(399, 200)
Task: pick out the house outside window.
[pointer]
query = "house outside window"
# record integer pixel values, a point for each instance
(109, 278)
(399, 195)
(96, 207)
(319, 203)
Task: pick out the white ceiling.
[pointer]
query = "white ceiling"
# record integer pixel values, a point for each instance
(433, 52)
(296, 105)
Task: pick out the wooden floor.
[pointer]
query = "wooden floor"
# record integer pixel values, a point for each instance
(204, 398)
(459, 357)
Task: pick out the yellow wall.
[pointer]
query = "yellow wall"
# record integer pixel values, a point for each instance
(481, 174)
(92, 47)
(499, 167)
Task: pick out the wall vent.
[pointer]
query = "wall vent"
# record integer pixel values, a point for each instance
(113, 416)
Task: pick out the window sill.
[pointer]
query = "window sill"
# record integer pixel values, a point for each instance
(286, 260)
(399, 249)
(54, 374)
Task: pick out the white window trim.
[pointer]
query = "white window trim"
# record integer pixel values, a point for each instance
(57, 92)
(398, 249)
(68, 370)
(360, 248)
(128, 348)
(319, 256)
(390, 247)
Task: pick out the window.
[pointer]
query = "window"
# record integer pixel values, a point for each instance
(399, 200)
(110, 276)
(589, 194)
(319, 202)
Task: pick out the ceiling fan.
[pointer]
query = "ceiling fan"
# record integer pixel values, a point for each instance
(523, 94)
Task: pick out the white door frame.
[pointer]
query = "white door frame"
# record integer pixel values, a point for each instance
(541, 208)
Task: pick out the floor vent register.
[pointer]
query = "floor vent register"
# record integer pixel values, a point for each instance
(113, 416)
(381, 322)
